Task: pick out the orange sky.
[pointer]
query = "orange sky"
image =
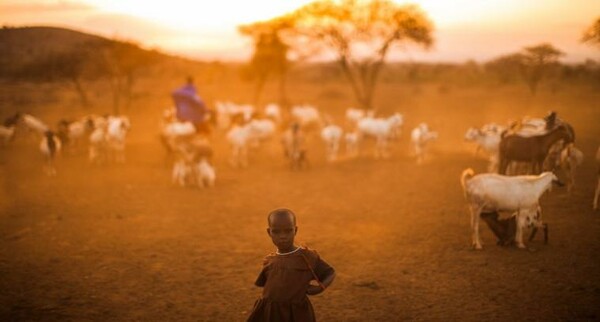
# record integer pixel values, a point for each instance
(465, 29)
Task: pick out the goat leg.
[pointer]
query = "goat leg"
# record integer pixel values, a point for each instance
(545, 233)
(533, 233)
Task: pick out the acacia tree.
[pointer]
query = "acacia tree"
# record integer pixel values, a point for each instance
(70, 67)
(508, 68)
(592, 34)
(360, 34)
(538, 62)
(533, 64)
(122, 63)
(270, 56)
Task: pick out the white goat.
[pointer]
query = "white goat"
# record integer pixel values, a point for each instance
(73, 133)
(332, 135)
(116, 133)
(488, 141)
(381, 129)
(173, 131)
(34, 124)
(200, 173)
(228, 111)
(49, 147)
(7, 133)
(191, 152)
(273, 112)
(353, 115)
(206, 174)
(263, 129)
(177, 129)
(182, 173)
(306, 115)
(420, 137)
(490, 192)
(597, 193)
(239, 136)
(97, 149)
(352, 139)
(570, 159)
(493, 128)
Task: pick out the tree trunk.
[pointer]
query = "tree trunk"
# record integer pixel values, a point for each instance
(283, 99)
(81, 92)
(116, 92)
(358, 94)
(260, 84)
(128, 89)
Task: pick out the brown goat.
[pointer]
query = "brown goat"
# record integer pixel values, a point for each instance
(532, 149)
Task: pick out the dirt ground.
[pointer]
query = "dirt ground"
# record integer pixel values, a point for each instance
(120, 243)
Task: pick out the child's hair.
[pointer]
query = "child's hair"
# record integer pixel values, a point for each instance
(279, 212)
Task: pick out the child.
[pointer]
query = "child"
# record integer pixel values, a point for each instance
(287, 275)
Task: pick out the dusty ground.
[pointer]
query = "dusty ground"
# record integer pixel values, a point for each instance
(120, 243)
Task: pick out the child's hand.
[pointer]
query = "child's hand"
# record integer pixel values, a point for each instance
(313, 288)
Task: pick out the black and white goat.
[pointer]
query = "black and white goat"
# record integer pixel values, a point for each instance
(49, 147)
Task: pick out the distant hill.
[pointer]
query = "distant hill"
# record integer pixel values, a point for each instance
(20, 46)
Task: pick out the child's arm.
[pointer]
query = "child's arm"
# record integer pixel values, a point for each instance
(326, 281)
(261, 280)
(326, 275)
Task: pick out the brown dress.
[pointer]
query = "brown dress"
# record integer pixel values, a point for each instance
(285, 279)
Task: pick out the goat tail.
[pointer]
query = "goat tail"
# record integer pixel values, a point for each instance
(466, 175)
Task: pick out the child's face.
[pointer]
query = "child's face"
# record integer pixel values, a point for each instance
(282, 231)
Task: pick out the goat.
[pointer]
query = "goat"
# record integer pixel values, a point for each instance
(230, 113)
(352, 139)
(116, 133)
(97, 149)
(7, 133)
(530, 149)
(263, 129)
(73, 133)
(487, 140)
(206, 174)
(49, 147)
(34, 124)
(570, 159)
(332, 135)
(306, 116)
(381, 129)
(420, 136)
(353, 115)
(192, 152)
(489, 192)
(239, 136)
(294, 147)
(273, 112)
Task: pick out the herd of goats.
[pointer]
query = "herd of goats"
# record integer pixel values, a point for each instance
(523, 156)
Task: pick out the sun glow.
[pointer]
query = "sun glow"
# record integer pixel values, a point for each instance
(214, 15)
(463, 29)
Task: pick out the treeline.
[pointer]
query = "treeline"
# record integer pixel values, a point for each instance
(469, 73)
